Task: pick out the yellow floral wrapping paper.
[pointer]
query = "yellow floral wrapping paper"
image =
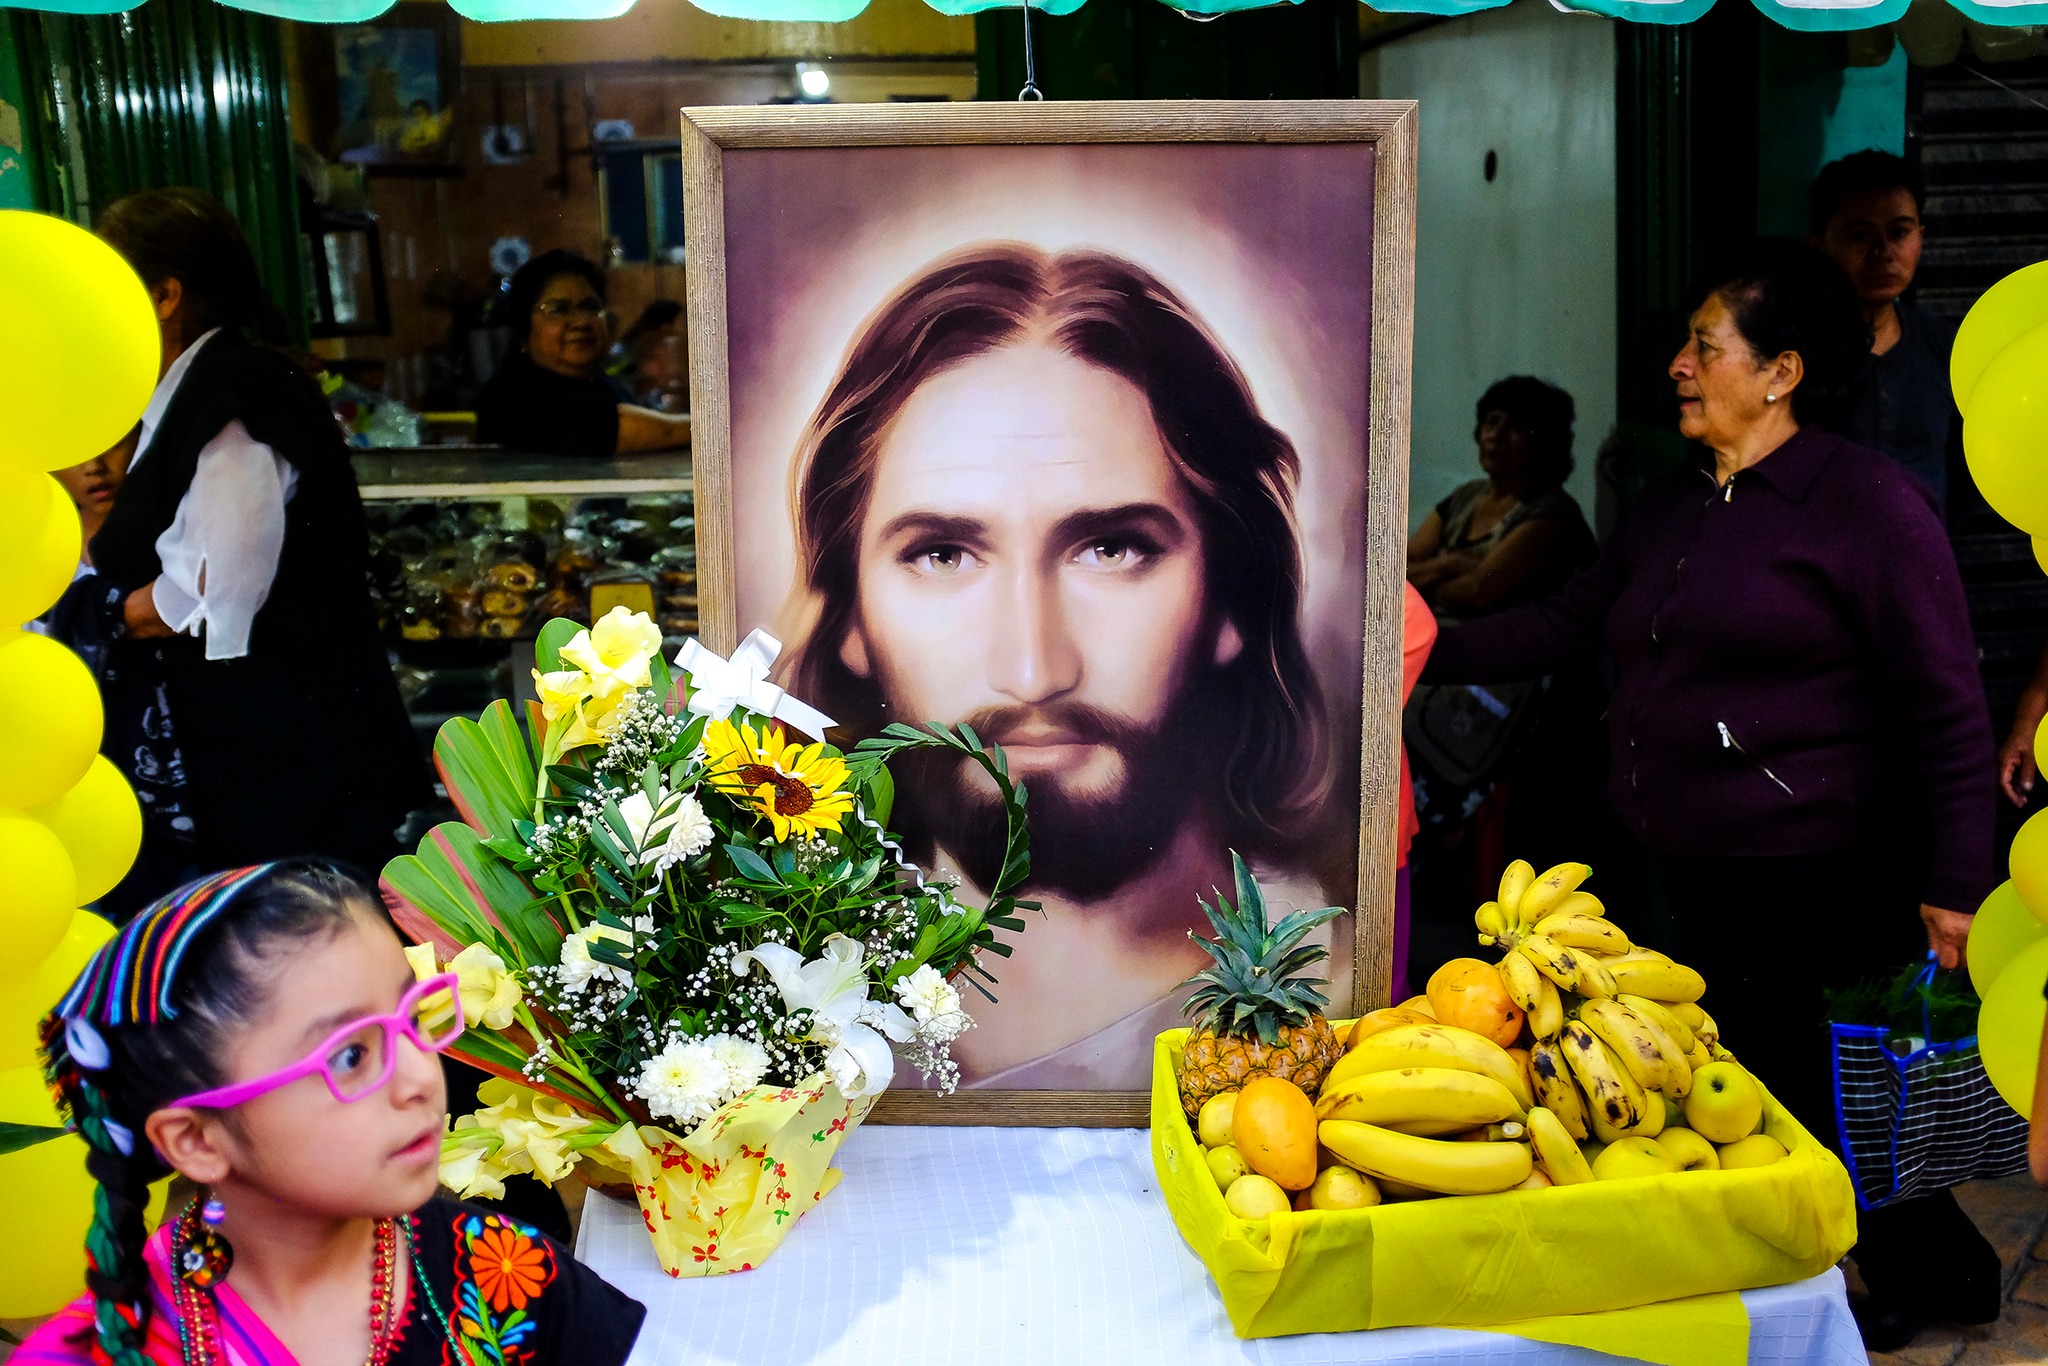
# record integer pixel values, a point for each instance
(724, 1198)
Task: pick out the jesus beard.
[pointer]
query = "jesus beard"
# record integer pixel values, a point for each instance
(1084, 846)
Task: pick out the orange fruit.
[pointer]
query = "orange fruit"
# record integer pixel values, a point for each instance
(1274, 1130)
(1420, 1003)
(1387, 1018)
(1468, 994)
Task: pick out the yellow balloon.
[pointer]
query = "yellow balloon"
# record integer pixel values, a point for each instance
(2009, 1027)
(100, 823)
(37, 892)
(81, 351)
(2028, 860)
(2016, 304)
(2041, 553)
(2002, 929)
(2005, 432)
(23, 1003)
(47, 1194)
(53, 720)
(39, 544)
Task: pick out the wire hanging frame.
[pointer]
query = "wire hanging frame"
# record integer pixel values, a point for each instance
(1030, 90)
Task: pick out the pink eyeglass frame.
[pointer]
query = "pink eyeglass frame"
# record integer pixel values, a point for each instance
(400, 1020)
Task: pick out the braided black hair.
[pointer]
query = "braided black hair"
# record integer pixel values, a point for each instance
(140, 1067)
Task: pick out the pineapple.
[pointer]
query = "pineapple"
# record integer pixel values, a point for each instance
(1255, 1014)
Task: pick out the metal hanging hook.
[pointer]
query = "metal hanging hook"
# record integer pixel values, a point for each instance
(1030, 90)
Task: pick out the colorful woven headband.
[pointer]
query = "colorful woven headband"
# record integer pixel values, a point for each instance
(129, 981)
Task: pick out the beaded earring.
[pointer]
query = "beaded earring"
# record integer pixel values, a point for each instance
(207, 1256)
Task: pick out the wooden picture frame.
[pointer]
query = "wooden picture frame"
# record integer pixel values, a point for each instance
(710, 135)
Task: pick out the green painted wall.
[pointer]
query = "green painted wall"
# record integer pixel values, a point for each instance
(20, 169)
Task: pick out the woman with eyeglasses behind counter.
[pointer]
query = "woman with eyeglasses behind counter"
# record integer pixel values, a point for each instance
(550, 393)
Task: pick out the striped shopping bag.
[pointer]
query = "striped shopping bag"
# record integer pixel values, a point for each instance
(1919, 1121)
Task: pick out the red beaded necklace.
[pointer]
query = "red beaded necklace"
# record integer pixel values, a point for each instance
(199, 1312)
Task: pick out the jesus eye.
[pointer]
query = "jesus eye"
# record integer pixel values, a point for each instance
(939, 561)
(1116, 554)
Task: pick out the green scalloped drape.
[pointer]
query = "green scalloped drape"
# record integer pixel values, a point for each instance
(1794, 14)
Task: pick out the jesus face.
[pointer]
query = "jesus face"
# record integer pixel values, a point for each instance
(1031, 562)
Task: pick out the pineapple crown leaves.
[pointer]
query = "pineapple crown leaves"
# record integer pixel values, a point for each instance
(1255, 986)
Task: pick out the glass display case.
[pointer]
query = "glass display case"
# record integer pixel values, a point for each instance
(474, 548)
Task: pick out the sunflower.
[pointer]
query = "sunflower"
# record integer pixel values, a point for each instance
(799, 788)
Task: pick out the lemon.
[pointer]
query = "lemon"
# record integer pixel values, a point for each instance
(1255, 1197)
(1342, 1188)
(1218, 1113)
(1226, 1164)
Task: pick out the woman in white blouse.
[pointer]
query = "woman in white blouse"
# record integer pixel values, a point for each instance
(250, 652)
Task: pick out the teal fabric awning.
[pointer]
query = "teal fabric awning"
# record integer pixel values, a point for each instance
(1795, 14)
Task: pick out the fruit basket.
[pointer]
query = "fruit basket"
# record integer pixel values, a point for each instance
(1561, 1132)
(1492, 1259)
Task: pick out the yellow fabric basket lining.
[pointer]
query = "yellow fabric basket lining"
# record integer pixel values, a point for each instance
(1643, 1268)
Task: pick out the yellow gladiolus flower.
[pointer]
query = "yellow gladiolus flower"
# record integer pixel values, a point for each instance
(799, 788)
(472, 1173)
(420, 958)
(561, 692)
(490, 995)
(591, 705)
(618, 647)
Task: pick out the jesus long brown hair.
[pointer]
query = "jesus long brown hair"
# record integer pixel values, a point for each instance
(1242, 470)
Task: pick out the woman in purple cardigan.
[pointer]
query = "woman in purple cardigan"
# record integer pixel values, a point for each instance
(1798, 730)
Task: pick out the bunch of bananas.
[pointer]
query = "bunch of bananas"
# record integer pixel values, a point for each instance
(1616, 1036)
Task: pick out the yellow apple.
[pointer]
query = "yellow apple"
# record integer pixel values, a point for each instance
(1725, 1103)
(1255, 1197)
(1213, 1125)
(1342, 1188)
(1538, 1180)
(1688, 1150)
(1758, 1150)
(1632, 1157)
(1226, 1164)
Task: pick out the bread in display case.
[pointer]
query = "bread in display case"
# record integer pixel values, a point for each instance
(474, 548)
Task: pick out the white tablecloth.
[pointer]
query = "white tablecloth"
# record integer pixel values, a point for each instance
(1041, 1246)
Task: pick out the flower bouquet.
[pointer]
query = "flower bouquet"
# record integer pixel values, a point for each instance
(688, 947)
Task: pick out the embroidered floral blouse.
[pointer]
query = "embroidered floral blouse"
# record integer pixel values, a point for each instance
(510, 1294)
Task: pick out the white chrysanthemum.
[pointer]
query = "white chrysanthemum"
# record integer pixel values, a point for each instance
(933, 1003)
(746, 1062)
(686, 833)
(686, 1081)
(579, 968)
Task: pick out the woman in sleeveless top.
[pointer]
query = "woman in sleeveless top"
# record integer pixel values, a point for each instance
(1514, 536)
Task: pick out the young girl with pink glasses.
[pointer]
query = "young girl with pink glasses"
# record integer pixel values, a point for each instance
(261, 1032)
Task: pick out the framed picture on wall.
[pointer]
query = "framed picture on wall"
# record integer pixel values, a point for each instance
(384, 93)
(1085, 424)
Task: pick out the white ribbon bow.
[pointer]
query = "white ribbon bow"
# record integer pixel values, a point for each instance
(718, 684)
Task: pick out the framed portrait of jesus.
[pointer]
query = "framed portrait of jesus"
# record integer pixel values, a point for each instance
(1085, 424)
